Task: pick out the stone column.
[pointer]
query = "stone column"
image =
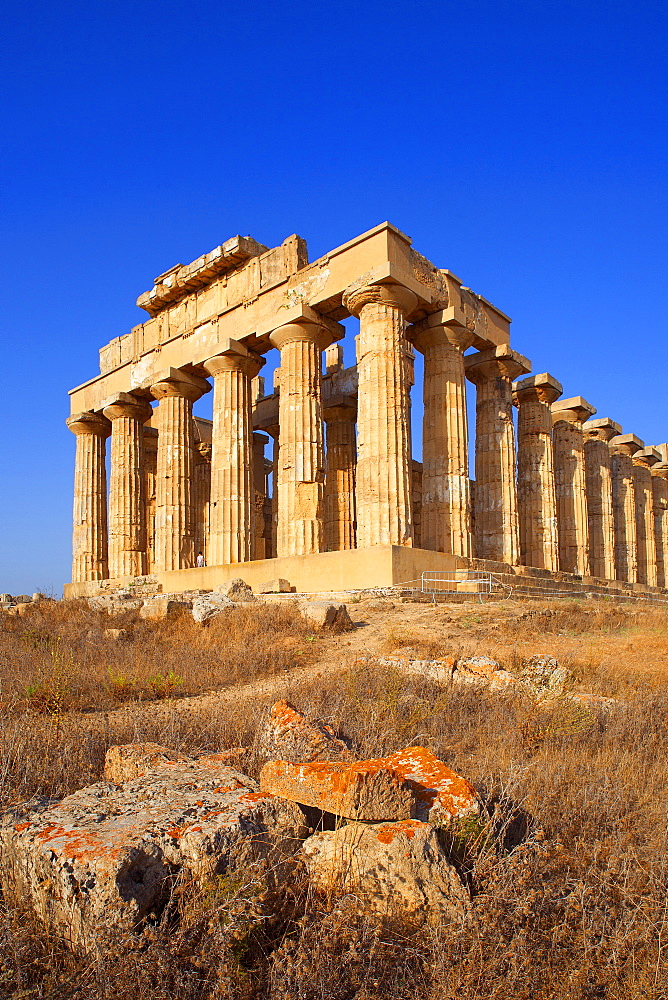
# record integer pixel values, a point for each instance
(232, 505)
(259, 547)
(340, 479)
(598, 472)
(89, 536)
(202, 496)
(570, 483)
(274, 433)
(660, 510)
(127, 507)
(176, 392)
(537, 503)
(497, 533)
(301, 466)
(446, 493)
(623, 447)
(384, 365)
(645, 538)
(150, 472)
(416, 500)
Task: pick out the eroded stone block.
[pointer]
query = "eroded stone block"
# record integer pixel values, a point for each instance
(288, 735)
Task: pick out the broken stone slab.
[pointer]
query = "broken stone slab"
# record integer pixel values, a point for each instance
(440, 670)
(105, 858)
(392, 869)
(237, 590)
(362, 790)
(278, 586)
(134, 760)
(288, 735)
(483, 671)
(324, 614)
(114, 605)
(159, 608)
(544, 675)
(210, 606)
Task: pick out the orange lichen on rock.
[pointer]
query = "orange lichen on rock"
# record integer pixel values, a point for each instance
(410, 783)
(289, 735)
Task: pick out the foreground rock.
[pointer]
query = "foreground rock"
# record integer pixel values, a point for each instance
(394, 869)
(209, 606)
(105, 858)
(324, 614)
(544, 675)
(412, 783)
(236, 590)
(288, 735)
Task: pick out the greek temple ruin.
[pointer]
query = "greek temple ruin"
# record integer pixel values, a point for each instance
(315, 481)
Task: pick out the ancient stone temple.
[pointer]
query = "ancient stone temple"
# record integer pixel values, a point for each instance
(315, 481)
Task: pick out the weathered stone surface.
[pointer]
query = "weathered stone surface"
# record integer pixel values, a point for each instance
(394, 869)
(482, 670)
(121, 634)
(237, 590)
(210, 606)
(159, 608)
(133, 760)
(410, 783)
(327, 615)
(278, 586)
(104, 858)
(543, 674)
(288, 735)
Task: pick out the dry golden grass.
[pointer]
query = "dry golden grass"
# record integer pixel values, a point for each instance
(569, 888)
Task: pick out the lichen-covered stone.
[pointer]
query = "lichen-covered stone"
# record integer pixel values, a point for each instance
(105, 858)
(393, 869)
(289, 735)
(544, 674)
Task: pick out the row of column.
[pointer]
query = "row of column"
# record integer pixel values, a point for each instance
(562, 505)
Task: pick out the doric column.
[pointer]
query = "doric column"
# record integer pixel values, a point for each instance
(259, 546)
(341, 459)
(416, 501)
(301, 466)
(497, 533)
(176, 392)
(127, 508)
(537, 503)
(232, 505)
(384, 369)
(89, 536)
(570, 483)
(623, 447)
(645, 538)
(660, 509)
(446, 493)
(150, 472)
(202, 496)
(598, 471)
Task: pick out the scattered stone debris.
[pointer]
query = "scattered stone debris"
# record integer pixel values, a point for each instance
(392, 869)
(288, 735)
(159, 608)
(237, 590)
(544, 674)
(210, 606)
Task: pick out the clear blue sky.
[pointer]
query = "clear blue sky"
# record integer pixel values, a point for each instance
(520, 144)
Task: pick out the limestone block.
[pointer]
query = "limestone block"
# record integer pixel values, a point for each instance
(237, 590)
(288, 735)
(484, 672)
(394, 869)
(327, 615)
(210, 606)
(133, 760)
(105, 858)
(39, 597)
(278, 586)
(159, 608)
(544, 674)
(364, 790)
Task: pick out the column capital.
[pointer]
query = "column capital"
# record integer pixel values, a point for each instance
(174, 382)
(496, 362)
(660, 471)
(306, 332)
(626, 444)
(541, 388)
(331, 414)
(603, 429)
(125, 404)
(647, 457)
(89, 422)
(362, 293)
(232, 361)
(574, 410)
(439, 327)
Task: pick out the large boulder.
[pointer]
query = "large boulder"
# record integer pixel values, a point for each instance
(210, 606)
(105, 858)
(393, 869)
(289, 735)
(324, 614)
(412, 783)
(237, 590)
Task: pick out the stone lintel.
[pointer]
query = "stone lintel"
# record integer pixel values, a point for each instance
(575, 409)
(265, 413)
(629, 444)
(663, 451)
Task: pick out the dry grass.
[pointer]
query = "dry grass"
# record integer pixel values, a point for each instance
(569, 887)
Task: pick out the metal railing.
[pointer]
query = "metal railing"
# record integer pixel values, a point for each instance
(463, 581)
